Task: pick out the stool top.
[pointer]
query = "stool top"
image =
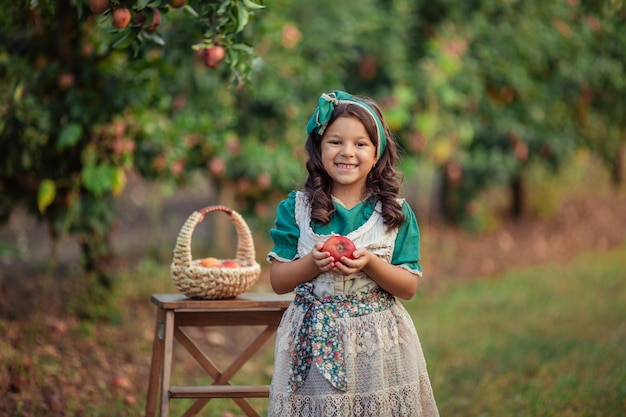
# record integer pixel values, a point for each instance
(247, 300)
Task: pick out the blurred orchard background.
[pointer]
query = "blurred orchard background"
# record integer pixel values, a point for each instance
(118, 119)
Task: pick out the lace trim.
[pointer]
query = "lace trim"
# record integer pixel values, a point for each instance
(411, 400)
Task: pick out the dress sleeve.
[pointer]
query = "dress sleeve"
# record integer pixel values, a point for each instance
(407, 247)
(286, 232)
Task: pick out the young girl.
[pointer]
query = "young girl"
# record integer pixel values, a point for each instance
(346, 346)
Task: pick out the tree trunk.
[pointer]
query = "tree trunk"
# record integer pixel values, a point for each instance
(619, 162)
(448, 198)
(68, 33)
(519, 196)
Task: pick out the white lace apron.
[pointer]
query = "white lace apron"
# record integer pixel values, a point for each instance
(359, 364)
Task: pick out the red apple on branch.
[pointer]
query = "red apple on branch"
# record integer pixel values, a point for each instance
(213, 56)
(121, 17)
(339, 246)
(156, 19)
(98, 6)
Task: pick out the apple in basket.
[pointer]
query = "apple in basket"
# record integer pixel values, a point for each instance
(211, 262)
(339, 246)
(230, 263)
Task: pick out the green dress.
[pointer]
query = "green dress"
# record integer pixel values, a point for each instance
(346, 347)
(286, 233)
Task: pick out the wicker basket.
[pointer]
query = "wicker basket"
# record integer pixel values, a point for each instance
(197, 281)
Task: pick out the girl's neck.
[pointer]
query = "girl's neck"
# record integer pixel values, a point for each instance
(349, 198)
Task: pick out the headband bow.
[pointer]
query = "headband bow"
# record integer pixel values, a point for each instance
(326, 105)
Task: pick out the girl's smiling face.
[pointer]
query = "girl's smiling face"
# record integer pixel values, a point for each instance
(348, 154)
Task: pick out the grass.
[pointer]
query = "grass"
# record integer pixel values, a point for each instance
(546, 341)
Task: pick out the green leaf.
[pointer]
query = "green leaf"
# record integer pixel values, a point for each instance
(243, 47)
(99, 179)
(191, 11)
(427, 123)
(242, 17)
(46, 194)
(69, 136)
(125, 40)
(154, 37)
(466, 133)
(119, 181)
(252, 5)
(223, 7)
(88, 155)
(78, 9)
(17, 92)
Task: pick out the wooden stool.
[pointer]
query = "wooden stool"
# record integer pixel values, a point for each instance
(175, 311)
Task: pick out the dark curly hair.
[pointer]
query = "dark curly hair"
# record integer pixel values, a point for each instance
(383, 181)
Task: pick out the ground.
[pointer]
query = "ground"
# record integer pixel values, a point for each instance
(586, 223)
(92, 365)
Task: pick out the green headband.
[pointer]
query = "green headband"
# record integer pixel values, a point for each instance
(326, 105)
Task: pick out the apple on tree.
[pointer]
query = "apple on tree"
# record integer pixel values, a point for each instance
(339, 246)
(98, 6)
(156, 19)
(213, 56)
(121, 17)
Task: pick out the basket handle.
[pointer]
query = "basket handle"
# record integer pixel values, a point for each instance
(245, 243)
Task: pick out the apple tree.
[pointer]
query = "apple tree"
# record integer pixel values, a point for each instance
(75, 77)
(93, 90)
(499, 86)
(482, 90)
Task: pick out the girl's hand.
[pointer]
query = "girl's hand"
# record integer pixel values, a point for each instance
(323, 260)
(349, 266)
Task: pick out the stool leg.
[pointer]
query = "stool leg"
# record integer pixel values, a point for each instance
(156, 364)
(167, 363)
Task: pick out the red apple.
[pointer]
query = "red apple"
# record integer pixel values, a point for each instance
(177, 3)
(121, 17)
(368, 67)
(230, 263)
(130, 399)
(66, 80)
(121, 380)
(98, 6)
(213, 56)
(291, 36)
(156, 19)
(339, 246)
(216, 166)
